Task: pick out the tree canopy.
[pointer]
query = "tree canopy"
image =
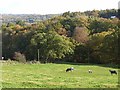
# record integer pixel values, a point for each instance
(91, 36)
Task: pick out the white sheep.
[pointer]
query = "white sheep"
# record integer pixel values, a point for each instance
(90, 71)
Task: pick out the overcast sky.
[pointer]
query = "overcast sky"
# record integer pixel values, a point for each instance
(54, 6)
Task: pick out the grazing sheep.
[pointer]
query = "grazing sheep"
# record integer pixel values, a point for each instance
(69, 69)
(90, 71)
(2, 58)
(113, 72)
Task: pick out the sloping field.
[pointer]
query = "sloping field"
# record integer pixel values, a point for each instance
(17, 75)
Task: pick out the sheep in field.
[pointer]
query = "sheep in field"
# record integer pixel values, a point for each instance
(90, 71)
(69, 69)
(113, 72)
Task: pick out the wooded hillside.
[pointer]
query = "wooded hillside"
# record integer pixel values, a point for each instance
(84, 37)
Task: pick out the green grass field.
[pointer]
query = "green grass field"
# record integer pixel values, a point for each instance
(18, 75)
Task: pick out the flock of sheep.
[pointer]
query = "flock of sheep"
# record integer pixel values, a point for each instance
(90, 71)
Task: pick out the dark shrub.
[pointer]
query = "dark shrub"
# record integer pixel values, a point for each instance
(19, 57)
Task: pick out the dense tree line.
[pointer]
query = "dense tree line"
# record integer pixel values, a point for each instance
(73, 37)
(7, 18)
(108, 13)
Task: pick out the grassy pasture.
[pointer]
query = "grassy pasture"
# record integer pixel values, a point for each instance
(18, 75)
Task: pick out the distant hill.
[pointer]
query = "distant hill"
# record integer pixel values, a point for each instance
(6, 18)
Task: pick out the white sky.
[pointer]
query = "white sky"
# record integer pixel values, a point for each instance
(54, 6)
